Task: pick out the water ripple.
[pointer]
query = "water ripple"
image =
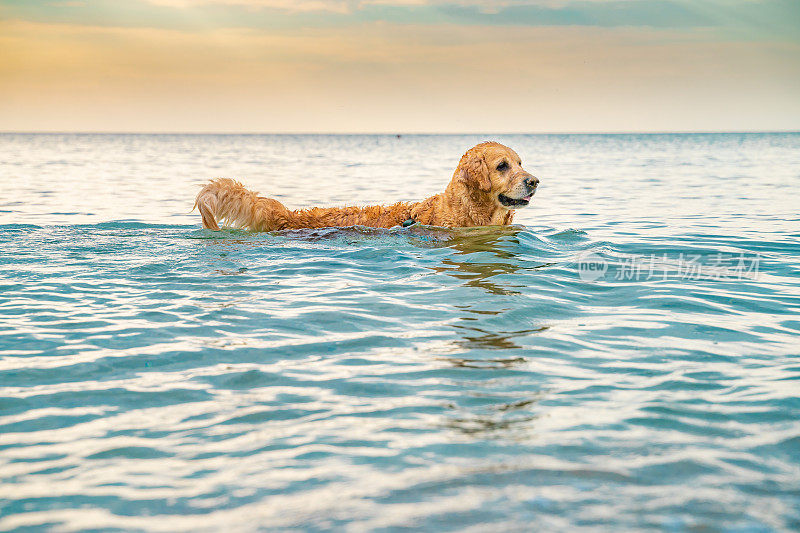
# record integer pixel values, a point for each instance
(157, 376)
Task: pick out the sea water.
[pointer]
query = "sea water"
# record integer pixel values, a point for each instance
(625, 356)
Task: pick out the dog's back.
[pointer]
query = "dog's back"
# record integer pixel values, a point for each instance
(228, 201)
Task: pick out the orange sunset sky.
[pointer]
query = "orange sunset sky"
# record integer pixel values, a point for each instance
(399, 65)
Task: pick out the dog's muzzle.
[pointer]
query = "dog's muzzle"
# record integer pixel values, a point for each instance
(530, 182)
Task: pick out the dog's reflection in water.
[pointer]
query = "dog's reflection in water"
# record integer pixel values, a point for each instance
(492, 355)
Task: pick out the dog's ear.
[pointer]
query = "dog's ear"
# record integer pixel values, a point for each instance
(475, 173)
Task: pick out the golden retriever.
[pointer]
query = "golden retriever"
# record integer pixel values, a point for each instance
(488, 184)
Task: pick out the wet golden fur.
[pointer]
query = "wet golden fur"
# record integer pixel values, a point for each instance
(470, 199)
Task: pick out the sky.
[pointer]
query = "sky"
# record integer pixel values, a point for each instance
(399, 66)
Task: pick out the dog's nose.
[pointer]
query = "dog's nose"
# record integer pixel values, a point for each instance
(531, 182)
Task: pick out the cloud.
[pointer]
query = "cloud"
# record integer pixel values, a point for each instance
(350, 5)
(335, 6)
(742, 19)
(487, 6)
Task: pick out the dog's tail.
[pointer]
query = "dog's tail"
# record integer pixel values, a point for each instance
(228, 201)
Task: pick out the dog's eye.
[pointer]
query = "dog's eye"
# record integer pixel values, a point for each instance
(502, 166)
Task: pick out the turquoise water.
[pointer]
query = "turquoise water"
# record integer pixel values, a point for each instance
(627, 356)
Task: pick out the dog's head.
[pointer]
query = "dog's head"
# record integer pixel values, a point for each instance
(495, 173)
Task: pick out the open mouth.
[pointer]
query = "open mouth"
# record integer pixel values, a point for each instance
(514, 202)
